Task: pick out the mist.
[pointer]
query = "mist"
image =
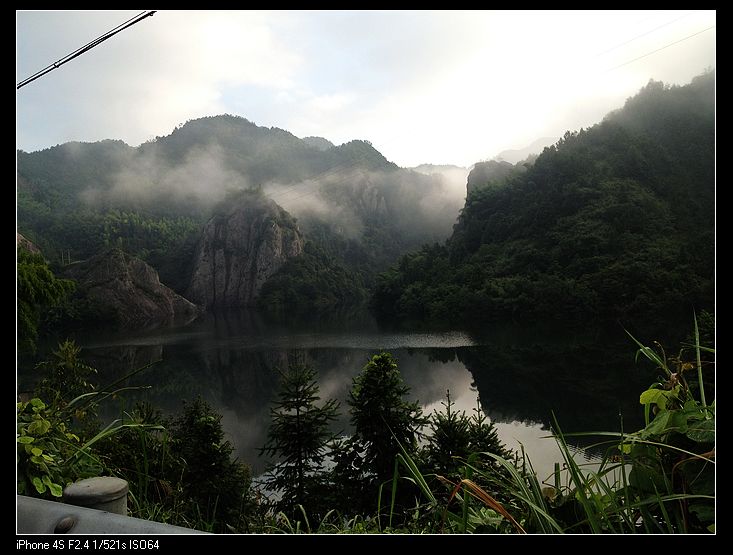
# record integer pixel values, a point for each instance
(359, 211)
(201, 178)
(348, 188)
(344, 200)
(424, 207)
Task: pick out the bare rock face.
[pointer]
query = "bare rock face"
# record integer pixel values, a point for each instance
(127, 288)
(241, 246)
(485, 172)
(21, 241)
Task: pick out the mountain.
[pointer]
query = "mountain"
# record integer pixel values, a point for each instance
(247, 241)
(453, 176)
(614, 222)
(448, 170)
(21, 241)
(123, 291)
(484, 173)
(193, 167)
(513, 156)
(358, 211)
(318, 142)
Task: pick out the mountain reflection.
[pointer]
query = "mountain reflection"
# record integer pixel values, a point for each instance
(233, 361)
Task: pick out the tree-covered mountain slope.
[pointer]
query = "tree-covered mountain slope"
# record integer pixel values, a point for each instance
(612, 222)
(358, 211)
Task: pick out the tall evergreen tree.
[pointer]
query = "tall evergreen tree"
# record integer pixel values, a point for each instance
(484, 437)
(216, 484)
(449, 439)
(382, 417)
(298, 436)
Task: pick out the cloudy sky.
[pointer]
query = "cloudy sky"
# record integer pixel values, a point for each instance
(440, 87)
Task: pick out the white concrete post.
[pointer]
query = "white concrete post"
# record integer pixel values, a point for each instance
(103, 493)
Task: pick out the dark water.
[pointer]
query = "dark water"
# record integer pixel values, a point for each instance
(519, 376)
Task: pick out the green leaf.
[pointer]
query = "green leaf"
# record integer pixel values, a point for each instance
(650, 396)
(702, 431)
(37, 403)
(36, 451)
(56, 490)
(656, 396)
(665, 422)
(646, 477)
(693, 415)
(38, 484)
(26, 439)
(39, 427)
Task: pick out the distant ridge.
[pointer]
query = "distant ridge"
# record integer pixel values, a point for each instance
(517, 155)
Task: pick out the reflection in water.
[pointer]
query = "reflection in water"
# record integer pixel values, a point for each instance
(233, 360)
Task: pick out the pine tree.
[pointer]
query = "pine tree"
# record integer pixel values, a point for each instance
(455, 436)
(216, 485)
(449, 442)
(298, 436)
(381, 417)
(484, 436)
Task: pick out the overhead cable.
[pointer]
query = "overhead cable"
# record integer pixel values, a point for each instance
(78, 52)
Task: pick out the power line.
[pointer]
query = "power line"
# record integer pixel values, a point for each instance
(642, 35)
(662, 48)
(78, 52)
(85, 48)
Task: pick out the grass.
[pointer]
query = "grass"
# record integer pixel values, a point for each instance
(657, 480)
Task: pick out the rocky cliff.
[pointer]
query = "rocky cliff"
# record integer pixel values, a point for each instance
(21, 241)
(485, 172)
(129, 291)
(242, 245)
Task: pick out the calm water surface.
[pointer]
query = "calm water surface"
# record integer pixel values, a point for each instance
(517, 376)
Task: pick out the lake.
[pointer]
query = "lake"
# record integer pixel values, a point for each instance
(519, 376)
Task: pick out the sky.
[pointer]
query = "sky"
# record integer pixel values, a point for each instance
(443, 87)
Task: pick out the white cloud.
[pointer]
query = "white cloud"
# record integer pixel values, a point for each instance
(166, 69)
(530, 75)
(421, 86)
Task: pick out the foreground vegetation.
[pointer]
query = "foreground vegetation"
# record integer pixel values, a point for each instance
(399, 471)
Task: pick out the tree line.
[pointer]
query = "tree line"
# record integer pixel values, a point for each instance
(614, 222)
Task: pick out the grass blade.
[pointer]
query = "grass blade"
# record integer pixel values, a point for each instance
(699, 366)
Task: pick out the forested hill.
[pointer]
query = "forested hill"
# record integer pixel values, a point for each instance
(358, 211)
(196, 164)
(613, 222)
